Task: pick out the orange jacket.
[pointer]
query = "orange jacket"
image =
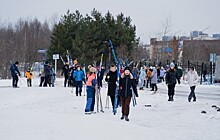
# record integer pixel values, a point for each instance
(28, 75)
(149, 73)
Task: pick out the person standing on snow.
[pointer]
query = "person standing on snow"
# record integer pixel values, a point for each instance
(142, 78)
(79, 76)
(66, 73)
(148, 76)
(192, 79)
(28, 75)
(90, 89)
(15, 73)
(154, 79)
(111, 79)
(171, 78)
(126, 83)
(162, 74)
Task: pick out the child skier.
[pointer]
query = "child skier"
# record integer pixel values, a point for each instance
(28, 75)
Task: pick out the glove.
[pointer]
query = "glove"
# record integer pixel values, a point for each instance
(178, 81)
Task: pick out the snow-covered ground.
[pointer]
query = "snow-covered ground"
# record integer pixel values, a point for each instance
(57, 114)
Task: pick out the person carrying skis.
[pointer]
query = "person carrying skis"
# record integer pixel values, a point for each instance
(14, 74)
(90, 89)
(192, 79)
(171, 77)
(126, 83)
(111, 79)
(78, 76)
(29, 75)
(66, 73)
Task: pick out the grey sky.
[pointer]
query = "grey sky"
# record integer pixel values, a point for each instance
(147, 15)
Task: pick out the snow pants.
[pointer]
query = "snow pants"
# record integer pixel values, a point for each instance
(90, 99)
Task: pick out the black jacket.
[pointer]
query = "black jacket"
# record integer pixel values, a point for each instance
(111, 82)
(171, 77)
(125, 84)
(65, 70)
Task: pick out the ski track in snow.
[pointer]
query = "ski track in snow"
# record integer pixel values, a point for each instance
(39, 113)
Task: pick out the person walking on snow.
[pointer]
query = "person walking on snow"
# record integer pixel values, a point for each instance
(79, 76)
(171, 78)
(14, 74)
(192, 79)
(90, 89)
(142, 78)
(126, 83)
(111, 79)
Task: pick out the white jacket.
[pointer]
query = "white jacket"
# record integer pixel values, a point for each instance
(192, 78)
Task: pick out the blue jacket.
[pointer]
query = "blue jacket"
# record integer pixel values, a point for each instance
(78, 75)
(14, 70)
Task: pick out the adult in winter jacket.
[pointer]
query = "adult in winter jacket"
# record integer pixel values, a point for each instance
(47, 72)
(78, 76)
(28, 75)
(192, 79)
(15, 73)
(90, 89)
(180, 73)
(148, 77)
(111, 79)
(142, 78)
(162, 74)
(154, 80)
(126, 83)
(66, 73)
(171, 78)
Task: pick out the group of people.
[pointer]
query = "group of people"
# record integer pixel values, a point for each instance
(126, 84)
(75, 76)
(47, 75)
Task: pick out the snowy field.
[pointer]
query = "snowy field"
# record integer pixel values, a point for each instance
(57, 114)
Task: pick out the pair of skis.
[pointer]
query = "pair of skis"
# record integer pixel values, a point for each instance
(98, 89)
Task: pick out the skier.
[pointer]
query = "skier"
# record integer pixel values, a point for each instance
(142, 78)
(78, 76)
(154, 79)
(171, 77)
(111, 79)
(28, 75)
(15, 73)
(192, 79)
(90, 89)
(66, 73)
(126, 83)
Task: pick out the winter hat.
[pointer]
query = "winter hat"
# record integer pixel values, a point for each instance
(92, 69)
(172, 64)
(16, 63)
(127, 68)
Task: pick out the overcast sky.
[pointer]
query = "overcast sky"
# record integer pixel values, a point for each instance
(147, 15)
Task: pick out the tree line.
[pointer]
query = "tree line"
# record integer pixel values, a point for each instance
(83, 36)
(21, 42)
